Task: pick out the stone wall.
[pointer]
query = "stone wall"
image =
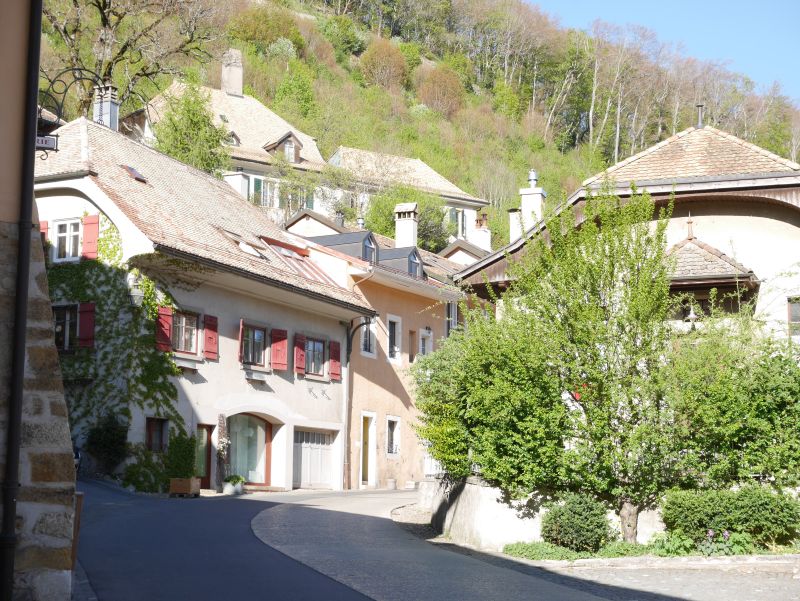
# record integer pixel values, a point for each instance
(45, 503)
(475, 514)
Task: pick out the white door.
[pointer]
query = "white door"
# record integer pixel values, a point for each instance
(313, 459)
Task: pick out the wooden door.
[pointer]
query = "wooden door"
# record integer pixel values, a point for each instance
(203, 456)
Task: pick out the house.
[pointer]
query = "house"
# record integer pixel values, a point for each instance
(280, 168)
(735, 223)
(177, 303)
(415, 308)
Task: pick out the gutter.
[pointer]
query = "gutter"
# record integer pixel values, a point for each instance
(56, 177)
(8, 535)
(264, 280)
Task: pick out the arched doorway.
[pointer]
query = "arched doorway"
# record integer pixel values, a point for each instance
(250, 452)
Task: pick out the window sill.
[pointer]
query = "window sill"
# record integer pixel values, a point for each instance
(393, 455)
(316, 377)
(369, 355)
(187, 361)
(256, 372)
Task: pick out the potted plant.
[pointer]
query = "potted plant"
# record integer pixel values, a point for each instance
(234, 485)
(179, 463)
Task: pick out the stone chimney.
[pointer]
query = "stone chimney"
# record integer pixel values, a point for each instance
(405, 225)
(360, 223)
(106, 106)
(532, 202)
(514, 225)
(481, 236)
(232, 72)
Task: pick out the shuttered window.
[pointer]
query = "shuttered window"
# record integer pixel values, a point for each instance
(164, 329)
(210, 338)
(315, 356)
(86, 325)
(254, 342)
(279, 350)
(335, 361)
(65, 327)
(67, 243)
(184, 332)
(91, 233)
(299, 353)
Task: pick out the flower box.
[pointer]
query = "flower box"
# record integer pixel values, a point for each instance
(184, 486)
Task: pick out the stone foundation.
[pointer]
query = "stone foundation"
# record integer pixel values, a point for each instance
(45, 503)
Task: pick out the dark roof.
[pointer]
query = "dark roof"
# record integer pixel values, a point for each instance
(460, 244)
(343, 238)
(396, 253)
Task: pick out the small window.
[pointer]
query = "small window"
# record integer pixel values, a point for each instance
(253, 345)
(425, 343)
(288, 149)
(794, 317)
(368, 339)
(451, 318)
(157, 430)
(413, 266)
(263, 192)
(68, 240)
(315, 356)
(392, 435)
(184, 332)
(65, 324)
(309, 199)
(369, 250)
(393, 326)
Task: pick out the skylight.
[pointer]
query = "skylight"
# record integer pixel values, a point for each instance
(134, 174)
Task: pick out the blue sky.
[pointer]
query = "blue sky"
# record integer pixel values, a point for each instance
(760, 39)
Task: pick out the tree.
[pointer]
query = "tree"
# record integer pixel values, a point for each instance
(295, 93)
(432, 232)
(187, 132)
(441, 90)
(343, 35)
(263, 25)
(562, 392)
(131, 44)
(383, 64)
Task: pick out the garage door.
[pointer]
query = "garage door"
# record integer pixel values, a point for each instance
(313, 459)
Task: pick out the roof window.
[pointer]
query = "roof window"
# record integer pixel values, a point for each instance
(134, 173)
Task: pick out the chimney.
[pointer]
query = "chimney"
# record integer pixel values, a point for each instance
(360, 223)
(514, 225)
(339, 218)
(532, 202)
(405, 225)
(232, 72)
(481, 236)
(106, 106)
(700, 110)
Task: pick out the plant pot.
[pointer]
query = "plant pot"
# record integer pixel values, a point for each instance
(232, 489)
(184, 486)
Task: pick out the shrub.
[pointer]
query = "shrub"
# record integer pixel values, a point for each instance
(343, 36)
(726, 543)
(383, 64)
(506, 101)
(262, 25)
(539, 551)
(235, 479)
(768, 517)
(146, 473)
(411, 53)
(442, 91)
(670, 544)
(107, 442)
(579, 523)
(296, 92)
(179, 460)
(619, 548)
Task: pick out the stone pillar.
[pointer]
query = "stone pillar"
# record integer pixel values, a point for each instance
(43, 565)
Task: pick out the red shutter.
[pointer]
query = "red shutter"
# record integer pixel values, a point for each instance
(86, 325)
(43, 232)
(279, 350)
(299, 353)
(164, 329)
(91, 232)
(211, 343)
(241, 338)
(336, 362)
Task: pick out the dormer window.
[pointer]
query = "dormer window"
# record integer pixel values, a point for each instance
(414, 266)
(288, 149)
(369, 251)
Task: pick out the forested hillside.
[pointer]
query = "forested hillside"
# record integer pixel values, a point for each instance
(482, 90)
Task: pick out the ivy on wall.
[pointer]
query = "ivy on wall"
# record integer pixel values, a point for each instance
(123, 369)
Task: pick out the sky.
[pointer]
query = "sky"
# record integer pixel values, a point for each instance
(760, 39)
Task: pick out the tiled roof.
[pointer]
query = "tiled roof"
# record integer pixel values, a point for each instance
(696, 259)
(253, 123)
(703, 152)
(390, 169)
(467, 247)
(182, 209)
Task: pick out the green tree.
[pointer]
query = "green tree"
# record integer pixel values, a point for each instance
(187, 132)
(432, 231)
(343, 36)
(263, 25)
(506, 101)
(295, 93)
(562, 392)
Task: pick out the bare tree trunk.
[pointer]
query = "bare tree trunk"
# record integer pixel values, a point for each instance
(616, 135)
(629, 521)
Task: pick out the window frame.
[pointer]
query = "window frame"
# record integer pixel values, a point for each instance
(289, 151)
(369, 332)
(450, 320)
(793, 325)
(394, 353)
(392, 450)
(69, 348)
(312, 340)
(414, 266)
(265, 346)
(268, 190)
(424, 336)
(369, 251)
(55, 236)
(163, 424)
(184, 313)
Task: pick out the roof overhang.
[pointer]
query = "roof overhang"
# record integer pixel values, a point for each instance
(416, 286)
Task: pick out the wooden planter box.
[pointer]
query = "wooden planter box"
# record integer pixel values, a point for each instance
(184, 487)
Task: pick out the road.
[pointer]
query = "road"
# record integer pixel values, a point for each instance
(305, 544)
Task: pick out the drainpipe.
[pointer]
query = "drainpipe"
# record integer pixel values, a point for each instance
(8, 535)
(350, 332)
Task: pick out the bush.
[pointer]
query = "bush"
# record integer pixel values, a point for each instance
(670, 544)
(107, 442)
(146, 473)
(179, 460)
(296, 92)
(235, 479)
(383, 64)
(538, 551)
(262, 25)
(442, 91)
(411, 53)
(768, 517)
(726, 543)
(579, 523)
(343, 36)
(620, 548)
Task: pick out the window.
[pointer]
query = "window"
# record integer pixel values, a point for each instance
(65, 321)
(315, 356)
(393, 327)
(253, 345)
(794, 316)
(413, 266)
(369, 250)
(425, 342)
(156, 434)
(263, 191)
(288, 149)
(184, 332)
(451, 318)
(368, 339)
(392, 435)
(68, 240)
(463, 224)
